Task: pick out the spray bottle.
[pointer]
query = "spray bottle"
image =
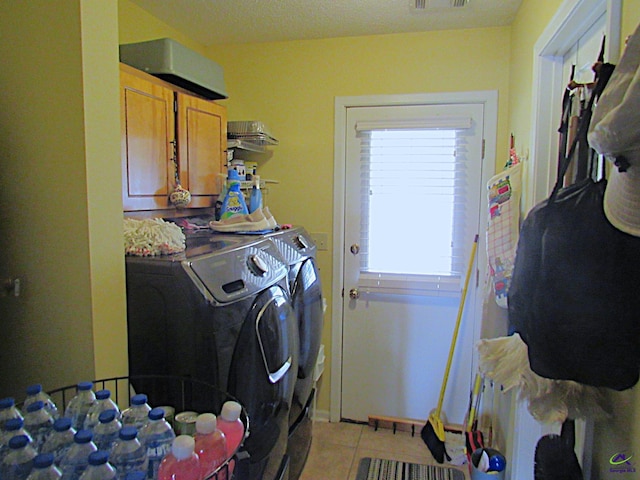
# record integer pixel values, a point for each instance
(255, 201)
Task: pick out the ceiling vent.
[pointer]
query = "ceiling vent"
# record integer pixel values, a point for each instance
(428, 4)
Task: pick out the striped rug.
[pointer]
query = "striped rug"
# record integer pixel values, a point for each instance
(380, 469)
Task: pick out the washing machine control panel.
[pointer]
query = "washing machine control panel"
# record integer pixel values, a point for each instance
(225, 277)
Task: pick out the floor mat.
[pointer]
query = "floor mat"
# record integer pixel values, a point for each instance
(380, 469)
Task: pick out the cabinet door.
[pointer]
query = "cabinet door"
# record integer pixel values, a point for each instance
(202, 142)
(147, 124)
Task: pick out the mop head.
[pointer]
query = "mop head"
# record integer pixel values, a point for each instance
(506, 361)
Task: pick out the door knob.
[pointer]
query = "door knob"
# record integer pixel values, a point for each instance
(355, 248)
(354, 293)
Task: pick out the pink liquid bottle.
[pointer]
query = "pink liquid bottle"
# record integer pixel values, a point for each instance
(182, 463)
(211, 445)
(230, 424)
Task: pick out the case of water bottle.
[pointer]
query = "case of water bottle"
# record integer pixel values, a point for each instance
(175, 394)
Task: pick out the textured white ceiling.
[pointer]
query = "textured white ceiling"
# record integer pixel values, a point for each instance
(215, 22)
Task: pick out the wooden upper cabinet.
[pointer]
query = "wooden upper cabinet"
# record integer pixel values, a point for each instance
(155, 116)
(202, 141)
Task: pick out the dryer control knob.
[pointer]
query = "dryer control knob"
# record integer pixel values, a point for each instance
(257, 266)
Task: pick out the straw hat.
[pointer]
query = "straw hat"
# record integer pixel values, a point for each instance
(615, 133)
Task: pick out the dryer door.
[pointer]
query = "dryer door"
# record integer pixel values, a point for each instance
(306, 297)
(262, 376)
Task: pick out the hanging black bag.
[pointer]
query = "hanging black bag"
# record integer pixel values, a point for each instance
(575, 291)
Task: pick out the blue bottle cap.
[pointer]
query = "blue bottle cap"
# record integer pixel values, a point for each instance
(85, 385)
(128, 433)
(34, 389)
(98, 457)
(107, 416)
(83, 436)
(39, 405)
(7, 402)
(19, 441)
(232, 174)
(62, 424)
(43, 460)
(139, 399)
(156, 413)
(13, 424)
(103, 394)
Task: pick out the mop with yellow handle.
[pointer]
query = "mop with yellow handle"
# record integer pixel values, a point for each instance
(433, 432)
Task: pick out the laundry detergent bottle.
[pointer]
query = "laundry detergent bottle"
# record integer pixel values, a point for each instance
(233, 203)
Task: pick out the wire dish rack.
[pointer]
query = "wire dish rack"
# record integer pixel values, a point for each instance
(181, 393)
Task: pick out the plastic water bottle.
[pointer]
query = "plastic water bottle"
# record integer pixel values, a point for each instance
(230, 424)
(35, 393)
(103, 402)
(182, 463)
(136, 475)
(12, 428)
(17, 464)
(8, 410)
(128, 453)
(59, 440)
(38, 423)
(44, 468)
(106, 432)
(80, 404)
(137, 414)
(157, 436)
(211, 446)
(99, 467)
(76, 460)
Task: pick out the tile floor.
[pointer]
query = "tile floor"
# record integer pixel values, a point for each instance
(337, 448)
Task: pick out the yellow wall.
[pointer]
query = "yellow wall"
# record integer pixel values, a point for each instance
(291, 86)
(60, 177)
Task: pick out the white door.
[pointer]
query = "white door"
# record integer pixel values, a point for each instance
(401, 297)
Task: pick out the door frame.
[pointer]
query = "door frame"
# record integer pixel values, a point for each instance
(571, 19)
(490, 100)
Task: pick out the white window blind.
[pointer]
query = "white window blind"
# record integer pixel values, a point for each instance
(413, 198)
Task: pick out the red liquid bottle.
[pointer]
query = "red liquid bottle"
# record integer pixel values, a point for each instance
(211, 445)
(182, 463)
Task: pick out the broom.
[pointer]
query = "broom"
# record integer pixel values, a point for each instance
(433, 432)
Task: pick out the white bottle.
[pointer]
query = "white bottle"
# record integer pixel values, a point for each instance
(35, 393)
(38, 423)
(17, 464)
(76, 460)
(44, 468)
(99, 467)
(128, 453)
(103, 402)
(137, 414)
(105, 434)
(59, 440)
(157, 436)
(80, 404)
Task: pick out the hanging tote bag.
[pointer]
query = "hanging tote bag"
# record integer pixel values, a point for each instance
(575, 292)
